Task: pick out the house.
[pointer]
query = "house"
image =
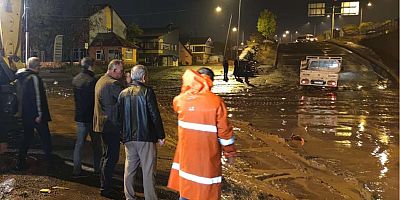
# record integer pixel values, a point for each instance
(159, 46)
(108, 46)
(200, 47)
(185, 56)
(107, 37)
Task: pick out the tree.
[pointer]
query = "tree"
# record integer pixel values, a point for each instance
(132, 32)
(365, 26)
(350, 29)
(266, 24)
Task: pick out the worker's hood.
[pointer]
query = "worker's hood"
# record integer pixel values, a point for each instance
(193, 82)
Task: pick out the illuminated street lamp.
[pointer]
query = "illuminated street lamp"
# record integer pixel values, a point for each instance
(361, 11)
(284, 35)
(218, 9)
(328, 16)
(287, 32)
(234, 29)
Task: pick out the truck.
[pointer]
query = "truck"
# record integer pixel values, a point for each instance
(10, 54)
(320, 71)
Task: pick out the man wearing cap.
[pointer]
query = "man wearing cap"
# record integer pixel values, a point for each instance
(34, 110)
(204, 133)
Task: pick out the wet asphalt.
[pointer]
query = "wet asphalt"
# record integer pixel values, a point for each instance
(355, 127)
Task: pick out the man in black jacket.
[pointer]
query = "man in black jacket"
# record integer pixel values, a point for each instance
(105, 122)
(84, 84)
(35, 111)
(142, 128)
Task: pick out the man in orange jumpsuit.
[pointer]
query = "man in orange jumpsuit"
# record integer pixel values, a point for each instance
(204, 133)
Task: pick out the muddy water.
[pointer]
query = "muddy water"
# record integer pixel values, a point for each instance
(354, 128)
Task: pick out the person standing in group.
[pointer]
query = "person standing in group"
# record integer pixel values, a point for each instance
(226, 69)
(236, 71)
(83, 87)
(142, 128)
(203, 132)
(34, 111)
(107, 90)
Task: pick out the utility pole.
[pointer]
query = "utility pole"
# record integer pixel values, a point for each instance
(238, 31)
(333, 21)
(26, 8)
(227, 35)
(315, 28)
(361, 15)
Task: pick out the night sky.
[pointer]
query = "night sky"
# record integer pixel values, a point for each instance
(198, 17)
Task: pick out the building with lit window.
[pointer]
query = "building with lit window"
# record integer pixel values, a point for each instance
(159, 46)
(201, 48)
(107, 37)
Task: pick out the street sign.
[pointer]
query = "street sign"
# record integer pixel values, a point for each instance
(350, 8)
(86, 45)
(316, 9)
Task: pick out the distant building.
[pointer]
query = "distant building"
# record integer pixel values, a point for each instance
(201, 48)
(185, 56)
(108, 46)
(215, 59)
(107, 37)
(159, 46)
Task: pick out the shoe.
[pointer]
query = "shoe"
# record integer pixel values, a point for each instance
(21, 166)
(107, 193)
(111, 194)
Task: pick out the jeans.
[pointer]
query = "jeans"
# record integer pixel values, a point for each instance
(110, 142)
(83, 129)
(44, 133)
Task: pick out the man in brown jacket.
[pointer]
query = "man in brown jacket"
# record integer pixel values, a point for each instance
(107, 90)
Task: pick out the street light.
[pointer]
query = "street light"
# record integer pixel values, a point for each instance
(234, 29)
(219, 9)
(287, 32)
(361, 12)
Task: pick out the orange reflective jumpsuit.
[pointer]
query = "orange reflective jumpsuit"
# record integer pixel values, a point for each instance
(204, 133)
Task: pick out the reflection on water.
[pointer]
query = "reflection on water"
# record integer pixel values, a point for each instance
(362, 123)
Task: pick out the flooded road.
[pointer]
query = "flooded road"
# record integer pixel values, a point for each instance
(353, 129)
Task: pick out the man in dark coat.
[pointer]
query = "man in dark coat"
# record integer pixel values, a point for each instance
(35, 112)
(83, 86)
(226, 68)
(142, 128)
(105, 122)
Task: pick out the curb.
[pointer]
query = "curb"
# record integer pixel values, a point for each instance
(375, 62)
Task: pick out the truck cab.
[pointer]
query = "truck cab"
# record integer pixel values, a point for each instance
(320, 71)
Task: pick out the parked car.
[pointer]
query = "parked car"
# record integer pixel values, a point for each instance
(306, 38)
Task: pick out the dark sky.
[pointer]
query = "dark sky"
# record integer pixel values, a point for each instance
(198, 17)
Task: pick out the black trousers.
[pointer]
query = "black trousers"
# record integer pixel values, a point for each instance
(110, 142)
(225, 74)
(43, 130)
